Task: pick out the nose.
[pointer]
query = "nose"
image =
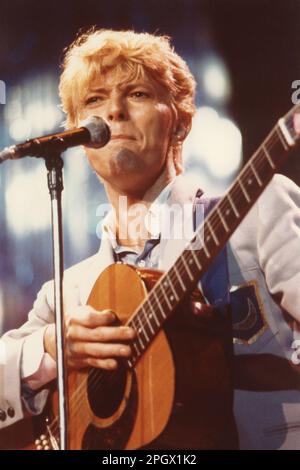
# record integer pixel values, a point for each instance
(116, 109)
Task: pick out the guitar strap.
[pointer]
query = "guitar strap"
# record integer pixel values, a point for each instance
(215, 282)
(202, 416)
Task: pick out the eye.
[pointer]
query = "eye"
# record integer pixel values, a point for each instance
(140, 94)
(93, 99)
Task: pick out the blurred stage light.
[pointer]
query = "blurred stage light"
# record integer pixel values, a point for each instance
(2, 316)
(75, 202)
(214, 144)
(215, 79)
(27, 201)
(13, 108)
(225, 153)
(24, 270)
(19, 129)
(42, 118)
(204, 181)
(31, 108)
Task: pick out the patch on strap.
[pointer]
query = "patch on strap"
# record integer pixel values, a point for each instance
(248, 318)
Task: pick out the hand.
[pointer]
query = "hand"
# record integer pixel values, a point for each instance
(92, 338)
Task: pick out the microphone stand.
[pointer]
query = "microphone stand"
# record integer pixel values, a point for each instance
(54, 165)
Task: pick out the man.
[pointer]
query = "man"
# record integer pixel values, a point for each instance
(145, 92)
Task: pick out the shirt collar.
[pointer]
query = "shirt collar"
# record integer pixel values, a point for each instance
(154, 218)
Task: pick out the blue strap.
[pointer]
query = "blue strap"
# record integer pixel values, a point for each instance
(215, 282)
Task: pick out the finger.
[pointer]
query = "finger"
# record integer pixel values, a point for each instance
(89, 317)
(107, 364)
(98, 350)
(101, 333)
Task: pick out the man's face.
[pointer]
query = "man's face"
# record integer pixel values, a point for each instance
(141, 123)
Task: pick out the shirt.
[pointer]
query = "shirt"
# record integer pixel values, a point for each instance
(45, 370)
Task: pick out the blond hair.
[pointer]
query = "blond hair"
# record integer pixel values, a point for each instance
(99, 51)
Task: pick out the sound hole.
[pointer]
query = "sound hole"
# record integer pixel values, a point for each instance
(106, 390)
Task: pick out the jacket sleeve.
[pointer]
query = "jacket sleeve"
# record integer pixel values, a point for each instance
(278, 242)
(24, 366)
(17, 360)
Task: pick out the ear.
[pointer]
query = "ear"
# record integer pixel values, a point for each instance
(181, 131)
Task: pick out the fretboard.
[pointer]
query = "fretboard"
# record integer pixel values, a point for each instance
(211, 236)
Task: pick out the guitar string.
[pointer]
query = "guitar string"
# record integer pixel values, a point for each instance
(245, 172)
(184, 270)
(144, 323)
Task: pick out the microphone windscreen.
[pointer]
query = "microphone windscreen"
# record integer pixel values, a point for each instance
(98, 129)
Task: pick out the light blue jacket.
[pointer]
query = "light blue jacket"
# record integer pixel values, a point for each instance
(263, 259)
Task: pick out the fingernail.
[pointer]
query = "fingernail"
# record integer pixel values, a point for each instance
(129, 333)
(125, 351)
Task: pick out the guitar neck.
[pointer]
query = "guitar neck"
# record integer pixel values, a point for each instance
(214, 232)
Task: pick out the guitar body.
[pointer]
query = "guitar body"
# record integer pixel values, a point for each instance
(176, 392)
(145, 406)
(141, 410)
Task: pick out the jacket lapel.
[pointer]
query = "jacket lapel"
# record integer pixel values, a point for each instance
(177, 227)
(100, 261)
(176, 232)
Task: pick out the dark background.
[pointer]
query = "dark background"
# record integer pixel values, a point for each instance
(257, 39)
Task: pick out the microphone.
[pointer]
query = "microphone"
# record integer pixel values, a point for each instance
(94, 133)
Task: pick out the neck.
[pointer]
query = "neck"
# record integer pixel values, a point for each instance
(131, 208)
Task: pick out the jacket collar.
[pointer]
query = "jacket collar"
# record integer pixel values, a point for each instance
(175, 204)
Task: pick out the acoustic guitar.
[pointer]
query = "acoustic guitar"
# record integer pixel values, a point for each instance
(139, 405)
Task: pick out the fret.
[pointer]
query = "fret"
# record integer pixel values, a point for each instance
(138, 338)
(141, 328)
(130, 363)
(142, 345)
(202, 245)
(244, 190)
(207, 237)
(278, 130)
(159, 305)
(147, 318)
(165, 295)
(267, 154)
(206, 250)
(286, 133)
(152, 314)
(187, 268)
(179, 278)
(222, 219)
(173, 290)
(255, 173)
(210, 237)
(137, 351)
(228, 214)
(196, 259)
(237, 214)
(207, 253)
(265, 170)
(212, 232)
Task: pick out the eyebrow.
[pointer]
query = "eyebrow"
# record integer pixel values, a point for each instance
(125, 86)
(95, 90)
